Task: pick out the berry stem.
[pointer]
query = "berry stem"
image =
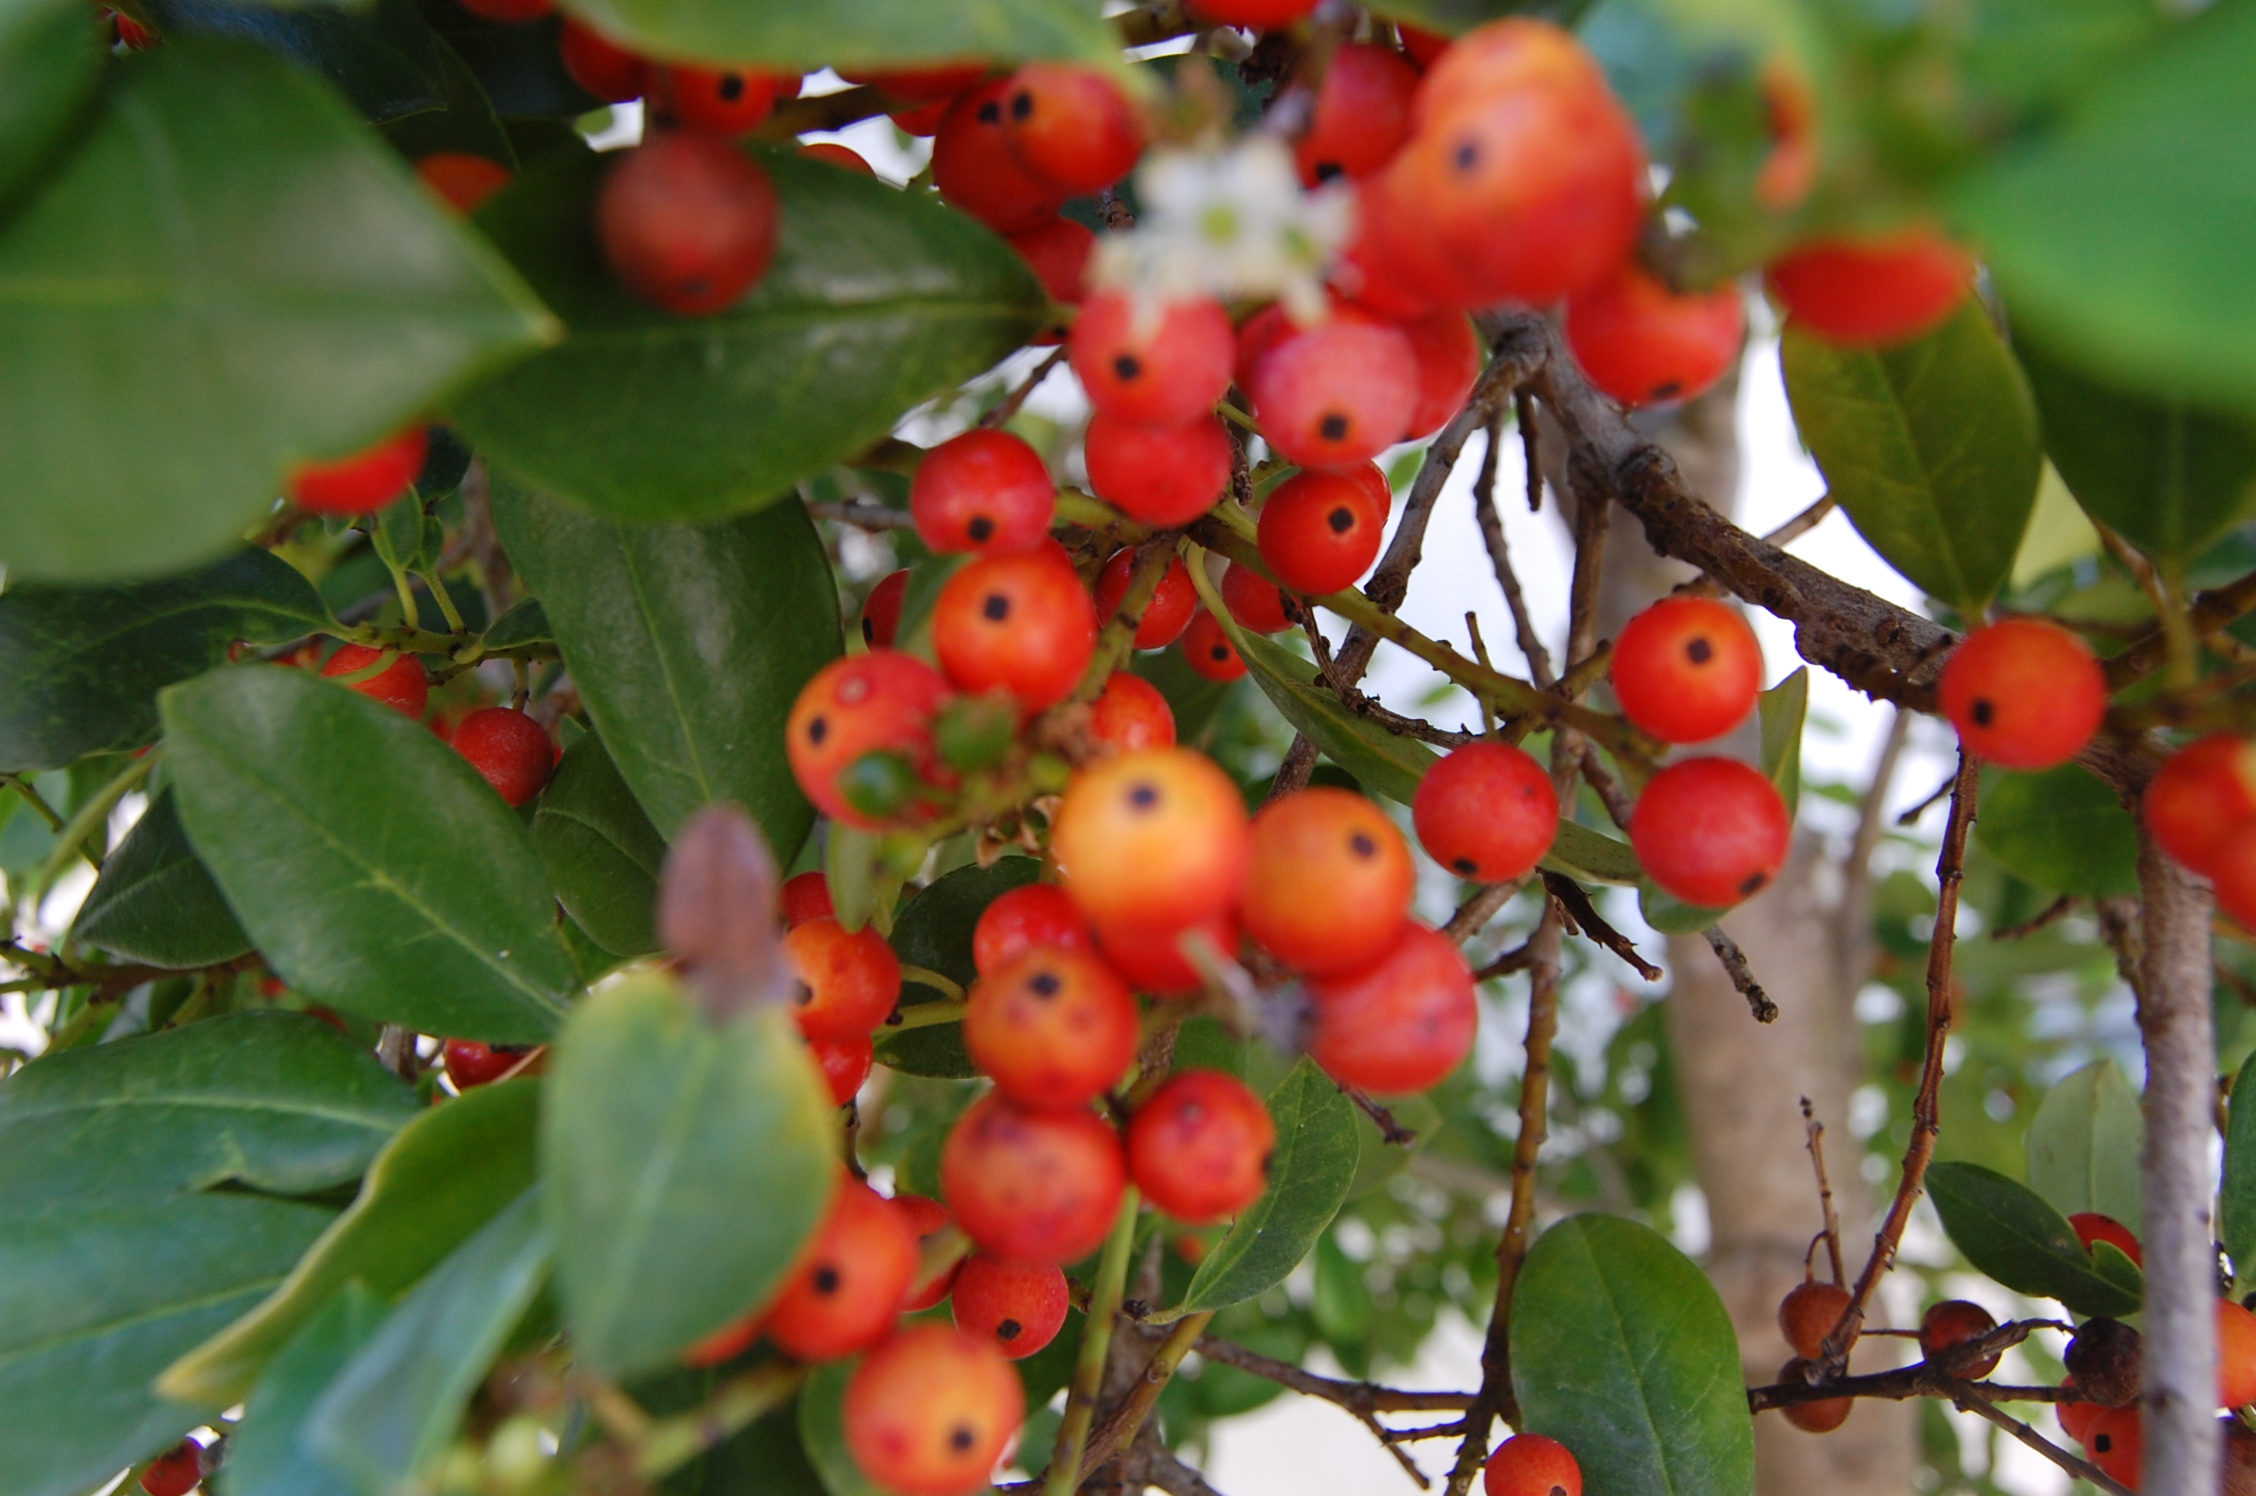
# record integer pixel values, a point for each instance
(924, 976)
(669, 1443)
(91, 817)
(1064, 1474)
(1118, 634)
(1121, 1428)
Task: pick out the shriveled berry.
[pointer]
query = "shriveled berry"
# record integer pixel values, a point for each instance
(2202, 792)
(463, 179)
(1329, 880)
(850, 1282)
(1032, 1186)
(1157, 364)
(1132, 714)
(1532, 1465)
(927, 1218)
(1159, 961)
(984, 491)
(401, 685)
(1071, 126)
(1039, 915)
(1401, 1023)
(1337, 393)
(1643, 343)
(1687, 669)
(1820, 1417)
(1254, 601)
(726, 101)
(2091, 1228)
(2107, 1359)
(857, 705)
(364, 482)
(845, 1064)
(509, 750)
(1954, 1322)
(1362, 114)
(1873, 292)
(831, 153)
(1199, 1146)
(881, 613)
(1019, 1306)
(1711, 831)
(1321, 531)
(930, 1412)
(1207, 649)
(1449, 359)
(976, 170)
(1487, 812)
(1808, 1314)
(176, 1472)
(1052, 1028)
(1162, 476)
(1172, 603)
(600, 65)
(2116, 1442)
(687, 222)
(2023, 693)
(1022, 624)
(849, 980)
(470, 1063)
(1154, 840)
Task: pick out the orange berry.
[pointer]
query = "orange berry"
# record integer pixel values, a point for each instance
(367, 480)
(1687, 669)
(881, 611)
(1168, 613)
(1643, 343)
(462, 179)
(860, 704)
(1039, 915)
(2023, 693)
(1711, 831)
(2236, 1355)
(1487, 812)
(849, 980)
(930, 1412)
(401, 685)
(1053, 1028)
(1516, 55)
(1254, 601)
(1873, 292)
(1532, 1465)
(1158, 961)
(1954, 1322)
(1362, 114)
(1020, 1307)
(1156, 839)
(845, 1065)
(984, 491)
(848, 1288)
(1401, 1023)
(1071, 127)
(831, 153)
(805, 897)
(687, 222)
(509, 750)
(1152, 365)
(1208, 650)
(1199, 1146)
(600, 65)
(1132, 714)
(2116, 1443)
(1032, 1186)
(1820, 1417)
(2090, 1226)
(1022, 624)
(1329, 880)
(927, 1218)
(1320, 531)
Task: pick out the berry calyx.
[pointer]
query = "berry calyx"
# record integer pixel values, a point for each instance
(509, 750)
(401, 685)
(850, 1281)
(1032, 1186)
(470, 1063)
(600, 65)
(1152, 365)
(1328, 880)
(1071, 127)
(930, 1412)
(984, 491)
(1487, 812)
(1643, 343)
(1254, 601)
(1131, 714)
(176, 1472)
(1338, 393)
(882, 700)
(2090, 1227)
(845, 1064)
(1362, 114)
(687, 222)
(849, 980)
(1711, 831)
(1687, 669)
(1162, 476)
(927, 1218)
(976, 170)
(1873, 292)
(1168, 613)
(463, 179)
(1199, 1146)
(1039, 915)
(2199, 796)
(1020, 1307)
(1208, 650)
(1532, 1465)
(1401, 1023)
(726, 101)
(2023, 693)
(1022, 624)
(881, 611)
(1819, 1417)
(365, 481)
(1954, 1322)
(1155, 840)
(1321, 531)
(1052, 1028)
(1808, 1314)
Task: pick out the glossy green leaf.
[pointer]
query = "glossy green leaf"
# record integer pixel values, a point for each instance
(1384, 762)
(822, 1431)
(1592, 856)
(155, 901)
(265, 1454)
(2008, 1231)
(688, 644)
(684, 1165)
(1783, 709)
(516, 64)
(382, 58)
(51, 57)
(374, 868)
(878, 300)
(274, 1100)
(442, 1178)
(934, 931)
(1670, 915)
(861, 887)
(95, 1301)
(394, 1408)
(2084, 1142)
(1622, 1351)
(2236, 1211)
(2060, 829)
(852, 33)
(601, 852)
(1310, 1173)
(1931, 448)
(463, 121)
(527, 623)
(84, 664)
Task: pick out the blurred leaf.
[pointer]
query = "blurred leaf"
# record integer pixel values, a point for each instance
(1309, 1175)
(2009, 1232)
(1784, 708)
(516, 63)
(2025, 54)
(934, 931)
(51, 57)
(527, 623)
(2084, 1145)
(156, 902)
(600, 850)
(383, 59)
(1622, 1351)
(230, 261)
(877, 301)
(1670, 915)
(854, 866)
(821, 1407)
(1592, 856)
(766, 1458)
(374, 868)
(463, 119)
(2237, 1204)
(855, 33)
(1342, 1306)
(266, 1455)
(1385, 762)
(2060, 829)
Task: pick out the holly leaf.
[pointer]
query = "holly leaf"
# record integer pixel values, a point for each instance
(266, 1455)
(600, 850)
(51, 57)
(855, 33)
(1381, 761)
(2008, 1231)
(382, 58)
(1783, 709)
(934, 931)
(2060, 829)
(155, 901)
(822, 1432)
(2237, 1202)
(2084, 1144)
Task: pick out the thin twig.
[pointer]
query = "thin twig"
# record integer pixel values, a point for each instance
(1734, 962)
(863, 515)
(1129, 1417)
(1518, 958)
(1009, 405)
(1971, 1401)
(1815, 1132)
(1585, 918)
(1356, 1397)
(1473, 915)
(1391, 1131)
(2051, 913)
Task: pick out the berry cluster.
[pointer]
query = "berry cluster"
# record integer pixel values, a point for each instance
(510, 751)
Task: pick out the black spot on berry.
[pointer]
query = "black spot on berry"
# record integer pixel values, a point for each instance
(981, 528)
(1752, 882)
(1045, 984)
(1362, 845)
(1467, 156)
(2103, 1443)
(869, 632)
(819, 729)
(1665, 390)
(1126, 366)
(1009, 1329)
(1699, 651)
(1143, 796)
(1466, 865)
(731, 87)
(801, 994)
(996, 608)
(1329, 171)
(990, 113)
(826, 1279)
(1984, 712)
(962, 1437)
(1219, 653)
(1341, 520)
(1333, 428)
(1022, 105)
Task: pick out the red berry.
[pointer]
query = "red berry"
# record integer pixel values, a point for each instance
(1424, 47)
(2116, 1443)
(469, 1063)
(1401, 1023)
(2090, 1226)
(687, 222)
(1383, 274)
(931, 1411)
(1254, 13)
(402, 685)
(1172, 602)
(983, 491)
(1873, 292)
(1321, 531)
(1254, 601)
(845, 1064)
(1052, 1028)
(927, 1218)
(2236, 1355)
(976, 170)
(849, 980)
(922, 85)
(1711, 831)
(1487, 812)
(1954, 1322)
(850, 1282)
(2023, 693)
(1819, 1417)
(176, 1472)
(881, 613)
(131, 34)
(1132, 714)
(1337, 393)
(1023, 919)
(462, 179)
(1158, 961)
(1152, 840)
(726, 101)
(880, 700)
(1642, 343)
(1532, 1465)
(1329, 880)
(509, 11)
(509, 749)
(1449, 359)
(1199, 1146)
(1808, 1314)
(1687, 669)
(1162, 476)
(1157, 364)
(1208, 650)
(600, 65)
(1058, 251)
(365, 481)
(831, 153)
(1032, 1186)
(1515, 56)
(923, 121)
(1072, 128)
(1022, 624)
(2202, 792)
(1362, 114)
(2076, 1418)
(2232, 867)
(1019, 1306)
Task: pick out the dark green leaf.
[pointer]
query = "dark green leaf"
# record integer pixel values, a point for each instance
(934, 931)
(383, 60)
(1309, 1176)
(2084, 1145)
(2008, 1231)
(156, 902)
(50, 61)
(230, 257)
(601, 851)
(374, 868)
(1377, 1159)
(1622, 1351)
(821, 1431)
(84, 664)
(1592, 856)
(463, 121)
(878, 300)
(1384, 762)
(2060, 829)
(527, 623)
(2236, 1215)
(275, 1100)
(689, 646)
(2021, 55)
(516, 64)
(684, 1166)
(265, 1454)
(95, 1301)
(766, 1458)
(1931, 448)
(444, 1176)
(1784, 708)
(852, 33)
(1670, 915)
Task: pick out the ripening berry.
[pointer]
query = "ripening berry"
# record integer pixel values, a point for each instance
(850, 1281)
(1643, 343)
(1487, 812)
(1168, 613)
(1532, 1465)
(1199, 1146)
(509, 12)
(976, 170)
(1254, 601)
(2201, 793)
(2090, 1226)
(364, 482)
(1337, 393)
(1052, 1028)
(687, 222)
(1955, 1322)
(1019, 1306)
(1058, 251)
(1321, 531)
(1160, 364)
(1873, 292)
(930, 1412)
(1687, 669)
(845, 1064)
(463, 179)
(725, 101)
(470, 1063)
(176, 1472)
(2236, 1355)
(1518, 55)
(831, 153)
(1015, 922)
(881, 613)
(1711, 831)
(1071, 127)
(1820, 1417)
(1328, 880)
(2023, 693)
(1401, 1023)
(2116, 1443)
(1449, 359)
(1022, 624)
(1153, 840)
(1362, 114)
(509, 749)
(984, 491)
(1131, 714)
(848, 980)
(880, 700)
(1032, 1186)
(401, 685)
(1207, 649)
(1158, 961)
(927, 1218)
(1254, 14)
(600, 65)
(1808, 1314)
(1161, 476)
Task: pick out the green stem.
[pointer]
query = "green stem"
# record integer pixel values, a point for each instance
(926, 977)
(89, 818)
(1111, 1286)
(1121, 1431)
(669, 1443)
(37, 801)
(925, 1015)
(447, 609)
(408, 613)
(1119, 635)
